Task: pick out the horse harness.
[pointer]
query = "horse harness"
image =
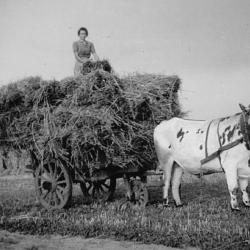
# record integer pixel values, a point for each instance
(245, 131)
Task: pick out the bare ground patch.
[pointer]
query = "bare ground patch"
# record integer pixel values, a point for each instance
(16, 241)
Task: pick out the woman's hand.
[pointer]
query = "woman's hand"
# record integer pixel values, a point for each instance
(96, 57)
(84, 60)
(79, 59)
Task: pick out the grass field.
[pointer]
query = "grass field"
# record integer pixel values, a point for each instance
(205, 221)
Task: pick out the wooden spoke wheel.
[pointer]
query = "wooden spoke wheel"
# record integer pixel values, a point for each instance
(139, 193)
(53, 185)
(99, 190)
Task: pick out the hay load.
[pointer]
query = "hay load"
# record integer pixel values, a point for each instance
(153, 97)
(89, 122)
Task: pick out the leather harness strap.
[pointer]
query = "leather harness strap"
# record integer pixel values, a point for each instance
(206, 153)
(218, 135)
(223, 148)
(218, 132)
(245, 138)
(244, 127)
(217, 153)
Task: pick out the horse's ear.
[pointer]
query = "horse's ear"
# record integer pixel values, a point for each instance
(242, 107)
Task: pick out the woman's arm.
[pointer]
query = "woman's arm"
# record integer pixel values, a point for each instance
(93, 52)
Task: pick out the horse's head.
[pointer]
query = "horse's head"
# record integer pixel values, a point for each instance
(245, 112)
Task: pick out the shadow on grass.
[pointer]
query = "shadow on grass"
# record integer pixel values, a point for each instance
(199, 190)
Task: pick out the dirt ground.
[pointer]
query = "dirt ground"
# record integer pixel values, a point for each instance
(11, 241)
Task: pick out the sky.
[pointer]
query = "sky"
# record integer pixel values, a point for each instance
(205, 43)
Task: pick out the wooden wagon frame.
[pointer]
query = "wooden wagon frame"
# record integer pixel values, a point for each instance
(53, 184)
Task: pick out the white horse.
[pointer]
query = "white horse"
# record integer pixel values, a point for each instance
(205, 147)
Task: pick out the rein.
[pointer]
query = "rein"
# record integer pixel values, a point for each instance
(245, 130)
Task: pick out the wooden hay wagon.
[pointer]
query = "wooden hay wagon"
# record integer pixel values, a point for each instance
(53, 183)
(66, 124)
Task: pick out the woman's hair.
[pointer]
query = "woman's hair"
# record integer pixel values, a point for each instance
(84, 29)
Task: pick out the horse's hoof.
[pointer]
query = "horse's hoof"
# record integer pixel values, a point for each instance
(236, 209)
(246, 205)
(165, 203)
(179, 205)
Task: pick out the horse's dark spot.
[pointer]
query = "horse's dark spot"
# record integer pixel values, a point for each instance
(202, 131)
(187, 131)
(234, 192)
(223, 138)
(200, 147)
(224, 134)
(231, 133)
(198, 131)
(169, 146)
(180, 134)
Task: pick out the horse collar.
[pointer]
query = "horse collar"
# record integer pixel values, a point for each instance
(245, 128)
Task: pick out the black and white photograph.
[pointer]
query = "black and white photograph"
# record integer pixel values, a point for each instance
(124, 124)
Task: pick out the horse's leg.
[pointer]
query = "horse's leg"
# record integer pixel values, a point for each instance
(167, 171)
(232, 183)
(176, 181)
(243, 187)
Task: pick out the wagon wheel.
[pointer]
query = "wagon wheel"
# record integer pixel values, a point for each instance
(99, 190)
(53, 185)
(139, 193)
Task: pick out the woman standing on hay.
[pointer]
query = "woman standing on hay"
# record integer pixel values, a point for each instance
(83, 49)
